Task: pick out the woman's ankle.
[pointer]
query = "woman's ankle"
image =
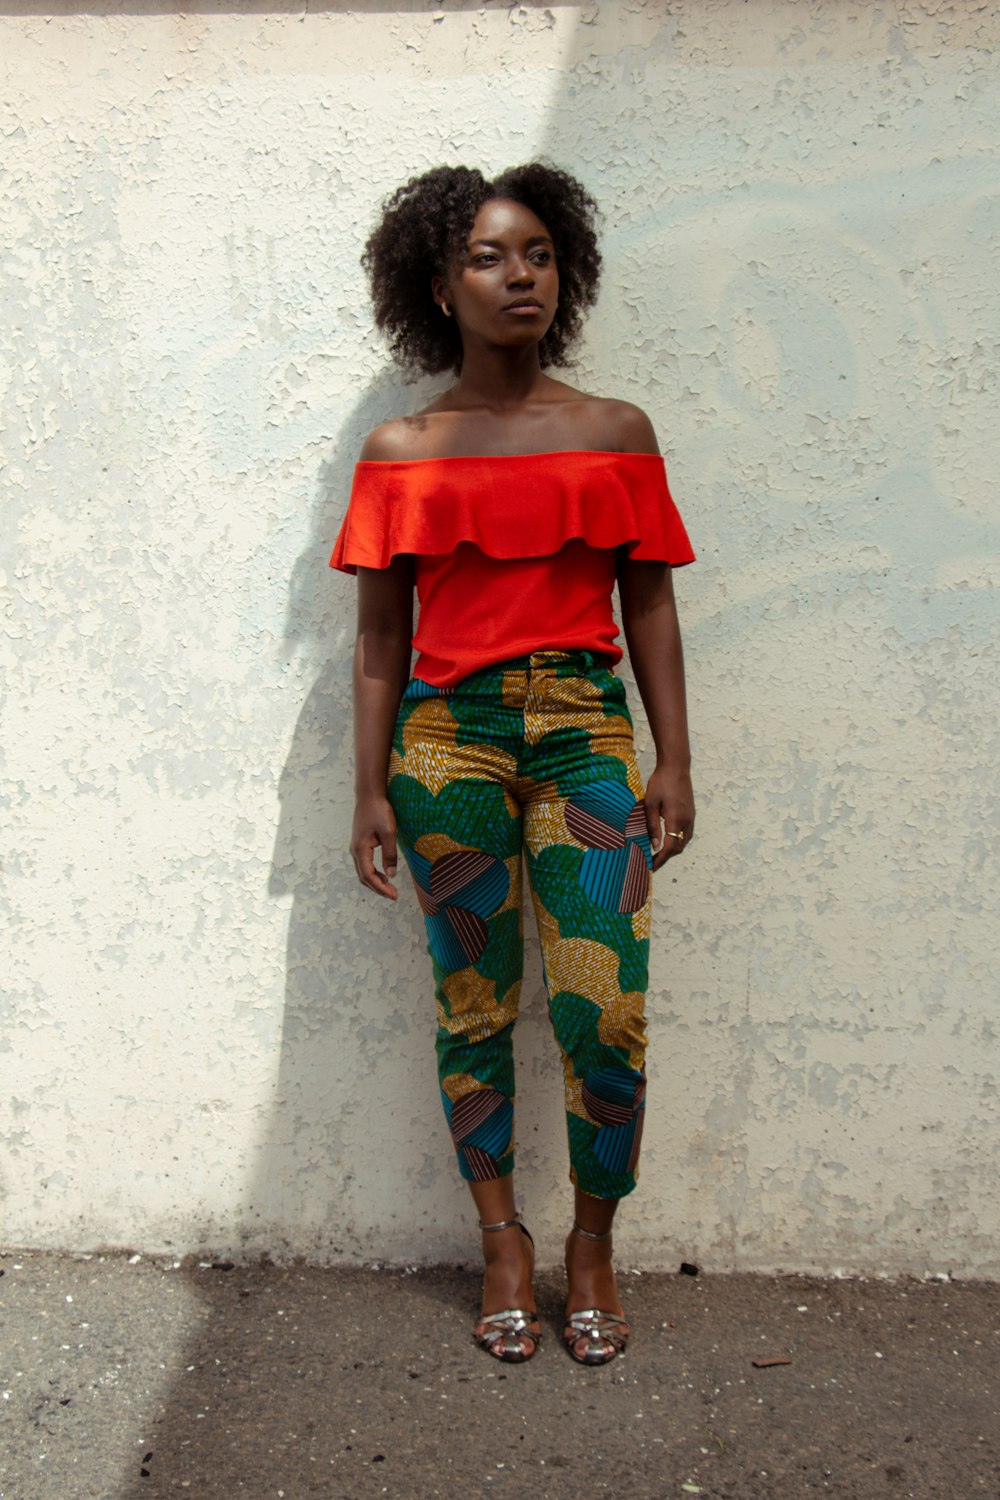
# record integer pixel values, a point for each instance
(593, 1216)
(506, 1244)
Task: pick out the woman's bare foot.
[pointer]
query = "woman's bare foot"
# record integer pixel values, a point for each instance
(591, 1285)
(510, 1261)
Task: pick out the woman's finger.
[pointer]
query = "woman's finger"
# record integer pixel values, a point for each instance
(677, 833)
(682, 828)
(368, 874)
(652, 810)
(390, 859)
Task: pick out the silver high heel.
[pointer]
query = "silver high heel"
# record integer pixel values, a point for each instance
(606, 1333)
(505, 1330)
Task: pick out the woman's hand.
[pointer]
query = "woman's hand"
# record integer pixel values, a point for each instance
(669, 805)
(649, 615)
(374, 827)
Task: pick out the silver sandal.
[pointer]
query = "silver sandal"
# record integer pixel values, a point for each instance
(505, 1330)
(606, 1333)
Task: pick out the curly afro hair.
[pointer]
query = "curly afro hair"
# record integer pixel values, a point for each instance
(425, 226)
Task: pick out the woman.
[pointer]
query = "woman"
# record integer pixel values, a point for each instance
(512, 503)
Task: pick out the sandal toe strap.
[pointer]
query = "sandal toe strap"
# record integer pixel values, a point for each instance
(598, 1327)
(515, 1316)
(510, 1325)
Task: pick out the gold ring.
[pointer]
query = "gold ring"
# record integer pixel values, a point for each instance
(674, 835)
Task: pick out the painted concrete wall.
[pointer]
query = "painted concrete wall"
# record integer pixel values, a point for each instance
(211, 1037)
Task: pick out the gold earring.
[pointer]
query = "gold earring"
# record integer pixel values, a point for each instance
(446, 309)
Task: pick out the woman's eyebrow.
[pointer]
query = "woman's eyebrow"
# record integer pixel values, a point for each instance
(536, 239)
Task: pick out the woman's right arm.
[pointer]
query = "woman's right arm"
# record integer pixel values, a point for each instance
(381, 670)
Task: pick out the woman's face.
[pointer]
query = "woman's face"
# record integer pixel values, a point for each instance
(505, 287)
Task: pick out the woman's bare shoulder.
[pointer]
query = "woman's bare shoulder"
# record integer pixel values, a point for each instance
(620, 426)
(390, 441)
(606, 424)
(418, 436)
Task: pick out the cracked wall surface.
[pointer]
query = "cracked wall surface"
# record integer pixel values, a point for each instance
(211, 1038)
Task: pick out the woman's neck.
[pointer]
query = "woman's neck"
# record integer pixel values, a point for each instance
(498, 380)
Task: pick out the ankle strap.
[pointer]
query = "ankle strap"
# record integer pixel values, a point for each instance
(503, 1224)
(588, 1234)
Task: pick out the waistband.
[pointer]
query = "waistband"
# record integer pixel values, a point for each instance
(580, 658)
(570, 662)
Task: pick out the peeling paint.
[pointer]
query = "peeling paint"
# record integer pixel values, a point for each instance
(211, 1039)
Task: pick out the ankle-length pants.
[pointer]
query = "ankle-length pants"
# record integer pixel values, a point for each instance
(534, 756)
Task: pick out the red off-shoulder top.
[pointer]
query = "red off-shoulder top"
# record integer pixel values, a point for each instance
(513, 554)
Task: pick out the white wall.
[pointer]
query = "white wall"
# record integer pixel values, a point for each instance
(212, 1039)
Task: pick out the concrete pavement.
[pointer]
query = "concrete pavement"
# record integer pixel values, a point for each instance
(137, 1378)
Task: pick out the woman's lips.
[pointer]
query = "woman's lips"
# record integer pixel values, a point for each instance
(523, 309)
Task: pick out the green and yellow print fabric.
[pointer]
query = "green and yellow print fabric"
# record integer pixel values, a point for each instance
(531, 761)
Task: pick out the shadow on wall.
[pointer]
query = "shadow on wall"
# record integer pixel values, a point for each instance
(355, 1096)
(356, 1159)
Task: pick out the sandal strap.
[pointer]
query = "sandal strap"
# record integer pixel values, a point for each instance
(594, 1318)
(506, 1330)
(606, 1333)
(513, 1315)
(502, 1224)
(588, 1234)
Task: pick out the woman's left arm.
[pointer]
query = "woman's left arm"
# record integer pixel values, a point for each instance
(649, 617)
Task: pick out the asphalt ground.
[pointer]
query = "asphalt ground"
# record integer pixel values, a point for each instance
(125, 1378)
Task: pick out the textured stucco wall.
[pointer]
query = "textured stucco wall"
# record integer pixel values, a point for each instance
(211, 1038)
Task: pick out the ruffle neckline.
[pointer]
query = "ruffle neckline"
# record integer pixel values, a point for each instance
(516, 506)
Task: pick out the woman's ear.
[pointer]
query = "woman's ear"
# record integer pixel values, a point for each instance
(439, 291)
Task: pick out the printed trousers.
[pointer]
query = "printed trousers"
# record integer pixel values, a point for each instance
(532, 758)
